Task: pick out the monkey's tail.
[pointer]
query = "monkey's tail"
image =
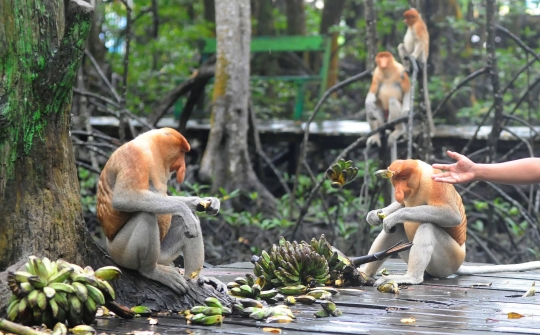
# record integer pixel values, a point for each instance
(473, 269)
(427, 102)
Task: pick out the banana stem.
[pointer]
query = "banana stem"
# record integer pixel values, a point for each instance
(15, 328)
(398, 247)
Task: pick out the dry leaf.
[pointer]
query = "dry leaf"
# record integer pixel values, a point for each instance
(272, 330)
(152, 321)
(514, 315)
(408, 320)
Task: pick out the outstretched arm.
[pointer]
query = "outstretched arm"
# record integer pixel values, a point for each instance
(517, 172)
(442, 216)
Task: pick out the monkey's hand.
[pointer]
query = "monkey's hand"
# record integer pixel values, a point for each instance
(214, 282)
(390, 221)
(209, 205)
(374, 217)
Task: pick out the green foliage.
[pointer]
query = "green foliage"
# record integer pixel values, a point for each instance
(88, 183)
(156, 65)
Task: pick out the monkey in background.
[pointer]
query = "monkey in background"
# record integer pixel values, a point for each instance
(416, 44)
(388, 97)
(146, 229)
(431, 215)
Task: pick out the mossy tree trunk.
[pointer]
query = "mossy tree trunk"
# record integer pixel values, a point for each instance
(226, 162)
(42, 46)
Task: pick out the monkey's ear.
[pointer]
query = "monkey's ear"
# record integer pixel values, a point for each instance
(384, 174)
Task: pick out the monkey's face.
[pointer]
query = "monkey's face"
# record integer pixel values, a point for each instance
(410, 17)
(173, 147)
(405, 178)
(383, 59)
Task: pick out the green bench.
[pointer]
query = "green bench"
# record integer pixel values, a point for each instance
(274, 44)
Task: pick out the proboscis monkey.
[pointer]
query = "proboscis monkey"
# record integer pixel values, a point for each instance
(432, 216)
(416, 44)
(388, 98)
(145, 228)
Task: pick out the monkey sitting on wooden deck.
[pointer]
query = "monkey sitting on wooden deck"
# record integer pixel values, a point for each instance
(146, 229)
(432, 216)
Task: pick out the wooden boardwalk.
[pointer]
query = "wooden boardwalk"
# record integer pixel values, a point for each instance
(459, 305)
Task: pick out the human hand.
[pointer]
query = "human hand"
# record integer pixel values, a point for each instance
(460, 172)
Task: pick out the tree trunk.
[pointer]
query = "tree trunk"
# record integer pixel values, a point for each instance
(39, 194)
(371, 32)
(296, 17)
(330, 16)
(226, 161)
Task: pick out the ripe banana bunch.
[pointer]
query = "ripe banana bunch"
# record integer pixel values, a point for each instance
(209, 315)
(291, 264)
(251, 287)
(47, 292)
(341, 173)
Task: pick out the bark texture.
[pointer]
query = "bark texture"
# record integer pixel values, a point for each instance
(333, 9)
(371, 33)
(226, 161)
(39, 193)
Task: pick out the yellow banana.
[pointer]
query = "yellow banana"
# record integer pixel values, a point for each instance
(108, 273)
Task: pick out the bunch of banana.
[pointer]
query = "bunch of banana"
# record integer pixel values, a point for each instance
(47, 292)
(209, 315)
(251, 287)
(341, 173)
(291, 264)
(342, 269)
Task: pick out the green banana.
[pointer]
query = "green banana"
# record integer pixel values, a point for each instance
(212, 311)
(85, 279)
(61, 276)
(213, 302)
(80, 290)
(49, 292)
(42, 301)
(60, 329)
(108, 273)
(226, 311)
(212, 320)
(95, 294)
(248, 302)
(268, 294)
(75, 303)
(292, 290)
(32, 298)
(321, 314)
(261, 313)
(305, 299)
(197, 309)
(42, 270)
(82, 330)
(106, 289)
(62, 287)
(61, 301)
(197, 318)
(54, 307)
(91, 305)
(26, 288)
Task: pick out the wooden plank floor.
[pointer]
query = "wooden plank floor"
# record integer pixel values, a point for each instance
(459, 305)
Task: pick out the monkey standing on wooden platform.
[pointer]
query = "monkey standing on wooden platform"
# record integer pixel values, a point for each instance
(146, 229)
(388, 98)
(416, 44)
(432, 216)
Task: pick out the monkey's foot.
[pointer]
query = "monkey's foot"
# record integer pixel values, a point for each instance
(214, 282)
(169, 276)
(374, 140)
(398, 279)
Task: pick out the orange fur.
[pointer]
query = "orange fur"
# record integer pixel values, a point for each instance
(144, 163)
(414, 21)
(389, 80)
(414, 187)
